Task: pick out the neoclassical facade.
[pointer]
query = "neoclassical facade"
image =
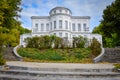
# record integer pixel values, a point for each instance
(61, 23)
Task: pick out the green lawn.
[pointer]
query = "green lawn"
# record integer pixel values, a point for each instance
(75, 55)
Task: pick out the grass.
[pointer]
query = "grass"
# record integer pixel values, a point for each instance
(76, 55)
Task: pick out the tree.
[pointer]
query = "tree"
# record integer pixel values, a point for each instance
(9, 33)
(110, 24)
(9, 11)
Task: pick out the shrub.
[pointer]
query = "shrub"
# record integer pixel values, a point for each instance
(2, 61)
(117, 66)
(79, 42)
(95, 47)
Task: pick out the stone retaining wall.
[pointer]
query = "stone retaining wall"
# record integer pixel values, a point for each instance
(111, 55)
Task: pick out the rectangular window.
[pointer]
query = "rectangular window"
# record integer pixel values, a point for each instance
(42, 27)
(60, 34)
(79, 27)
(36, 27)
(47, 27)
(69, 26)
(54, 24)
(66, 24)
(73, 27)
(66, 34)
(60, 24)
(85, 27)
(60, 11)
(55, 11)
(55, 34)
(50, 25)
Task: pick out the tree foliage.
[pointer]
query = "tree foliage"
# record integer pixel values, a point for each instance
(10, 27)
(110, 25)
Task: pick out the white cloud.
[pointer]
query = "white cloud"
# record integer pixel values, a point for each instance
(91, 8)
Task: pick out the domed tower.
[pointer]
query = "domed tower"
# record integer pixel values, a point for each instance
(60, 22)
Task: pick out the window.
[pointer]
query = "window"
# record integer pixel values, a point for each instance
(47, 27)
(54, 11)
(73, 27)
(84, 27)
(60, 24)
(55, 34)
(36, 27)
(50, 25)
(66, 11)
(60, 11)
(79, 27)
(66, 24)
(85, 36)
(54, 24)
(42, 27)
(66, 34)
(60, 34)
(69, 25)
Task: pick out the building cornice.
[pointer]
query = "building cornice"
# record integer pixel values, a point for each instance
(59, 30)
(80, 17)
(81, 32)
(40, 17)
(48, 17)
(40, 32)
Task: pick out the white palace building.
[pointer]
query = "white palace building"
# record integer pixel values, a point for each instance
(61, 23)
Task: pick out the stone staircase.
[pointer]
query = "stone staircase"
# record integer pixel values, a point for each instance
(35, 73)
(9, 55)
(111, 55)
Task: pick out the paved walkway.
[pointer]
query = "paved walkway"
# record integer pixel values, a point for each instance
(60, 65)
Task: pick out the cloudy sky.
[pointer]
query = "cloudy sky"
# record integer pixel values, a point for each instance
(92, 8)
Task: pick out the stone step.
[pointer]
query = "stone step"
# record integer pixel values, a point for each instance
(57, 71)
(9, 77)
(9, 55)
(59, 74)
(60, 69)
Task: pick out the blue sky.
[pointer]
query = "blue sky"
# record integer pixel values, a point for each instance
(92, 8)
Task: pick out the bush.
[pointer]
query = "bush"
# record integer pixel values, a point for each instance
(95, 47)
(2, 61)
(44, 42)
(117, 66)
(79, 42)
